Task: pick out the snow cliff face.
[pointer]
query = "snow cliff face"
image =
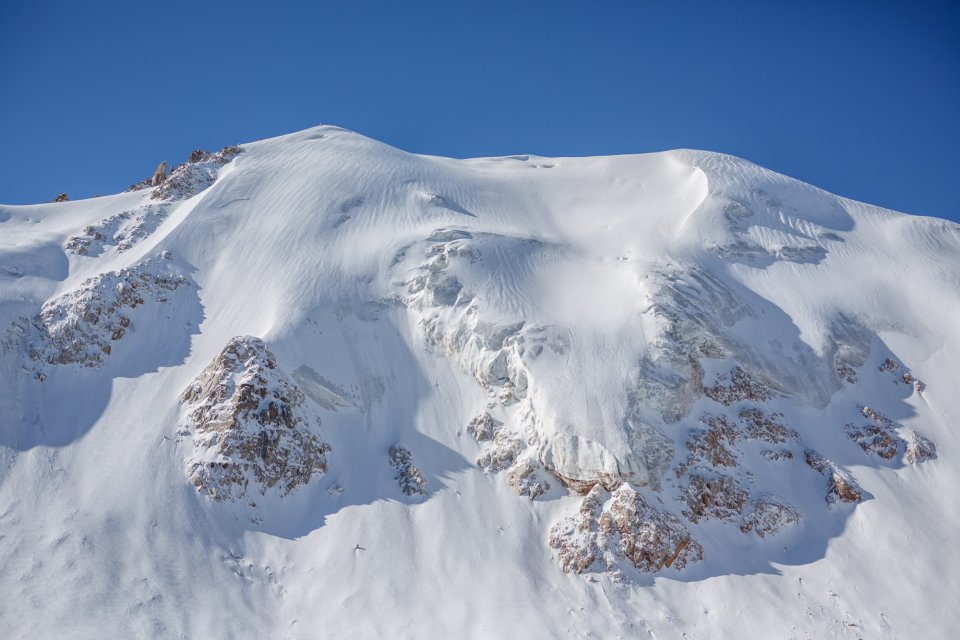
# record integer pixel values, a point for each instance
(676, 366)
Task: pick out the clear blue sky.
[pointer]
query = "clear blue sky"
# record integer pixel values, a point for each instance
(860, 98)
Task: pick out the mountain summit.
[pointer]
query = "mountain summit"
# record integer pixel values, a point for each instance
(316, 386)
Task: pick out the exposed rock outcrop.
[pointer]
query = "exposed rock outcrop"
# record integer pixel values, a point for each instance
(577, 538)
(843, 488)
(252, 431)
(483, 427)
(740, 386)
(504, 450)
(503, 453)
(720, 497)
(527, 478)
(651, 539)
(159, 175)
(82, 326)
(604, 534)
(190, 178)
(846, 372)
(840, 485)
(919, 449)
(714, 445)
(408, 476)
(891, 366)
(706, 493)
(816, 461)
(873, 439)
(769, 516)
(885, 438)
(777, 454)
(767, 427)
(122, 230)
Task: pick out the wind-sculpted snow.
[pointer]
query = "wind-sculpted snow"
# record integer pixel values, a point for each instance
(767, 218)
(693, 350)
(690, 309)
(502, 356)
(127, 228)
(720, 395)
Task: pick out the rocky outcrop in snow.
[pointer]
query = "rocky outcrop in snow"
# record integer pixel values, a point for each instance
(919, 449)
(190, 178)
(740, 386)
(251, 429)
(504, 450)
(768, 427)
(769, 516)
(716, 480)
(622, 529)
(125, 229)
(122, 230)
(483, 427)
(885, 438)
(408, 476)
(159, 175)
(874, 439)
(718, 496)
(840, 485)
(502, 454)
(714, 445)
(901, 374)
(82, 327)
(527, 477)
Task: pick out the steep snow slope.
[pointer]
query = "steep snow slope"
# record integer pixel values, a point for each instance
(317, 386)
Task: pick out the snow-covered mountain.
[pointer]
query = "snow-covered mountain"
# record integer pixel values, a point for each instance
(315, 386)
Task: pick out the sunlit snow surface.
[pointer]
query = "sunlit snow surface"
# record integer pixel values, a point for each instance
(591, 315)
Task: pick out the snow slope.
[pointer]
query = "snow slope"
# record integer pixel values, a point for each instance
(320, 387)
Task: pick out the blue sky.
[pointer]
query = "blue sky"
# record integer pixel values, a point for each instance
(860, 98)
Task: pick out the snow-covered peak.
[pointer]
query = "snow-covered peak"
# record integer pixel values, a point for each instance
(677, 364)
